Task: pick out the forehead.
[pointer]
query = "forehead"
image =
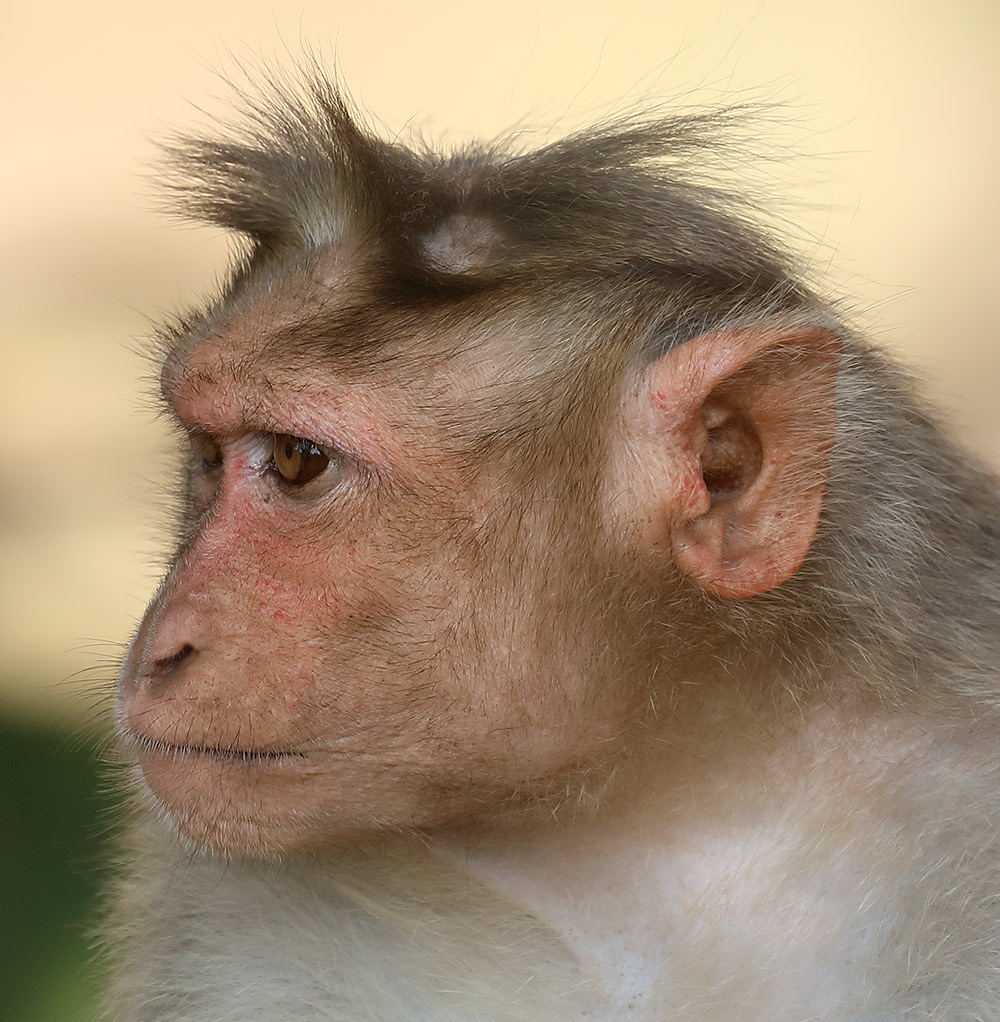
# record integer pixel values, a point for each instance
(316, 339)
(278, 344)
(317, 342)
(264, 319)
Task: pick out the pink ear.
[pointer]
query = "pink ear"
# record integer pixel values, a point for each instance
(747, 416)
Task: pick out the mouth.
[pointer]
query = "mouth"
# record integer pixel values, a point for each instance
(144, 745)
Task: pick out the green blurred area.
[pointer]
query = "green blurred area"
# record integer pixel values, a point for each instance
(56, 830)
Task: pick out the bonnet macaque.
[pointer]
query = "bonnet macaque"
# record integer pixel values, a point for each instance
(571, 618)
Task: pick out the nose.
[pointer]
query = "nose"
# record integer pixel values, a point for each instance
(158, 667)
(167, 641)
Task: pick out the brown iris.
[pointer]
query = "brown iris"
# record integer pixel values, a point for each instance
(211, 455)
(298, 461)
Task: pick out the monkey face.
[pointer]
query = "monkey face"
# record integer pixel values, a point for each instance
(443, 579)
(360, 630)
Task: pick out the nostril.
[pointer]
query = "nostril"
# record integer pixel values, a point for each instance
(167, 663)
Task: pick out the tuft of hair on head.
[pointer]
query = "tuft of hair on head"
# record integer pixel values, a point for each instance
(299, 169)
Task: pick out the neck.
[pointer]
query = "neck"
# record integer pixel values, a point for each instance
(711, 831)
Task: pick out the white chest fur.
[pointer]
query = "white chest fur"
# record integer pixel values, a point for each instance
(823, 881)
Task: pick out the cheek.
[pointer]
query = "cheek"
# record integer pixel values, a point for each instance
(419, 685)
(525, 684)
(297, 583)
(359, 633)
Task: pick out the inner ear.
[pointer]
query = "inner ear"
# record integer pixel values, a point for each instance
(739, 429)
(732, 456)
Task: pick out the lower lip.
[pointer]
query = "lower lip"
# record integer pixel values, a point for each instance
(147, 747)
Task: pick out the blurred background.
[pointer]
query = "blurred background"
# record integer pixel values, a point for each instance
(890, 145)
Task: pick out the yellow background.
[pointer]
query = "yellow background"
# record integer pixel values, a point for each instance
(890, 189)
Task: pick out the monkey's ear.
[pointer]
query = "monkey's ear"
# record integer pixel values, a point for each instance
(738, 426)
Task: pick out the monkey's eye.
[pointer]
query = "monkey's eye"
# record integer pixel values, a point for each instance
(211, 454)
(298, 461)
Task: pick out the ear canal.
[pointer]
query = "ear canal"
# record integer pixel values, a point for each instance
(732, 456)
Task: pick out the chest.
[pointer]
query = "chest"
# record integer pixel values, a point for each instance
(757, 923)
(756, 928)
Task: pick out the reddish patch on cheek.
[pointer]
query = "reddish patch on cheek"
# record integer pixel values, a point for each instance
(275, 599)
(275, 615)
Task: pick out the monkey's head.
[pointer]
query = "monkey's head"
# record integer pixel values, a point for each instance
(475, 445)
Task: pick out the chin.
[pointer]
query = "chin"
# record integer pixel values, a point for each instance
(267, 805)
(236, 803)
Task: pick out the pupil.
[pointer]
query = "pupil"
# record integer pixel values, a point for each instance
(290, 449)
